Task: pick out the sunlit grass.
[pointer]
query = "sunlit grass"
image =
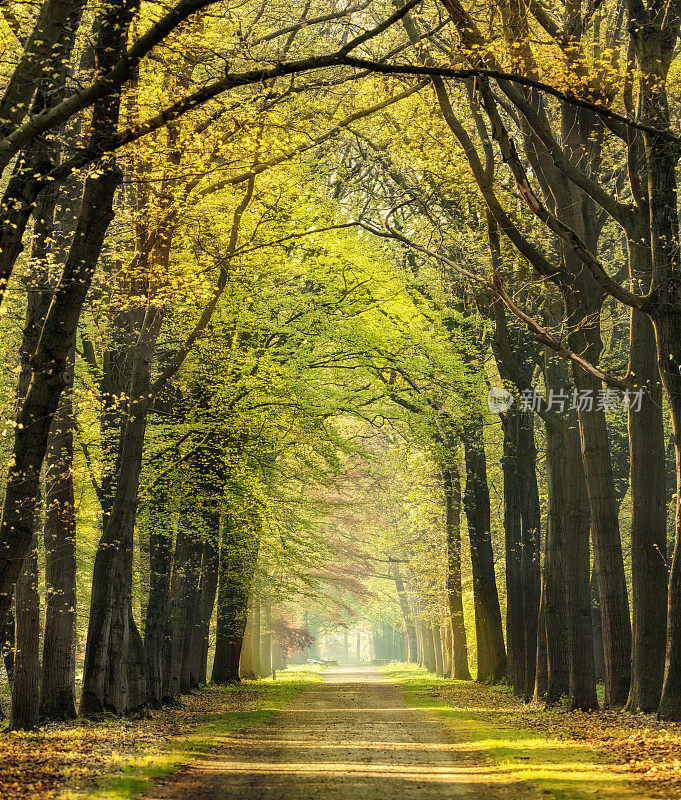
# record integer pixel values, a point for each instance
(560, 768)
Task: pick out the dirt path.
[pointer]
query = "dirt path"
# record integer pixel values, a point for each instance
(349, 738)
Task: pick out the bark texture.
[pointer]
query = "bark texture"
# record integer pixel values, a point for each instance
(489, 633)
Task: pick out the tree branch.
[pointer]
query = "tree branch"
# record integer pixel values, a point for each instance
(565, 233)
(495, 286)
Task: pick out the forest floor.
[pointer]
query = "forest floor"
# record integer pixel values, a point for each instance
(603, 754)
(115, 759)
(395, 734)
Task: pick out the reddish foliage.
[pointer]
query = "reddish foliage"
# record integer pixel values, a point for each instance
(292, 638)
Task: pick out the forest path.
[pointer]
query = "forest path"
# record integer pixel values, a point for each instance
(351, 737)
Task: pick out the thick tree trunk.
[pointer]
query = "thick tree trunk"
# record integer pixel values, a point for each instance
(583, 299)
(655, 41)
(189, 680)
(555, 602)
(266, 641)
(649, 577)
(513, 537)
(26, 683)
(185, 587)
(530, 562)
(55, 215)
(612, 586)
(255, 633)
(57, 698)
(156, 631)
(246, 670)
(49, 360)
(209, 585)
(111, 626)
(429, 661)
(582, 694)
(489, 633)
(597, 628)
(522, 515)
(238, 557)
(179, 593)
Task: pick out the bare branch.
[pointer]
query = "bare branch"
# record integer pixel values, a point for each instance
(544, 337)
(537, 207)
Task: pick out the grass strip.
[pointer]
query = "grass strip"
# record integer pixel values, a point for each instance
(554, 766)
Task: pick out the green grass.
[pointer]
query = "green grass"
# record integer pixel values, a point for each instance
(130, 776)
(554, 767)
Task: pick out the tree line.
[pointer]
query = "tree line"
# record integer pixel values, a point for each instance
(226, 233)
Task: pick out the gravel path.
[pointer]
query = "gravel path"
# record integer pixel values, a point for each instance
(349, 738)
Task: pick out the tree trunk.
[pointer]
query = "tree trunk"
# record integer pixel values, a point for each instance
(582, 693)
(156, 631)
(255, 632)
(420, 649)
(26, 683)
(541, 677)
(597, 628)
(406, 614)
(209, 585)
(489, 633)
(612, 586)
(437, 645)
(555, 600)
(530, 547)
(188, 680)
(448, 649)
(649, 576)
(111, 628)
(238, 558)
(266, 641)
(452, 487)
(49, 361)
(246, 670)
(513, 536)
(57, 699)
(179, 595)
(428, 647)
(655, 40)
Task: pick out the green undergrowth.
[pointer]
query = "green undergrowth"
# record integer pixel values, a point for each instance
(536, 763)
(206, 719)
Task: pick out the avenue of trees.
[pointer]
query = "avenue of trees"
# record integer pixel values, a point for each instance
(260, 264)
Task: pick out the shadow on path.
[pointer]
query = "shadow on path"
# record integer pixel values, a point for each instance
(349, 738)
